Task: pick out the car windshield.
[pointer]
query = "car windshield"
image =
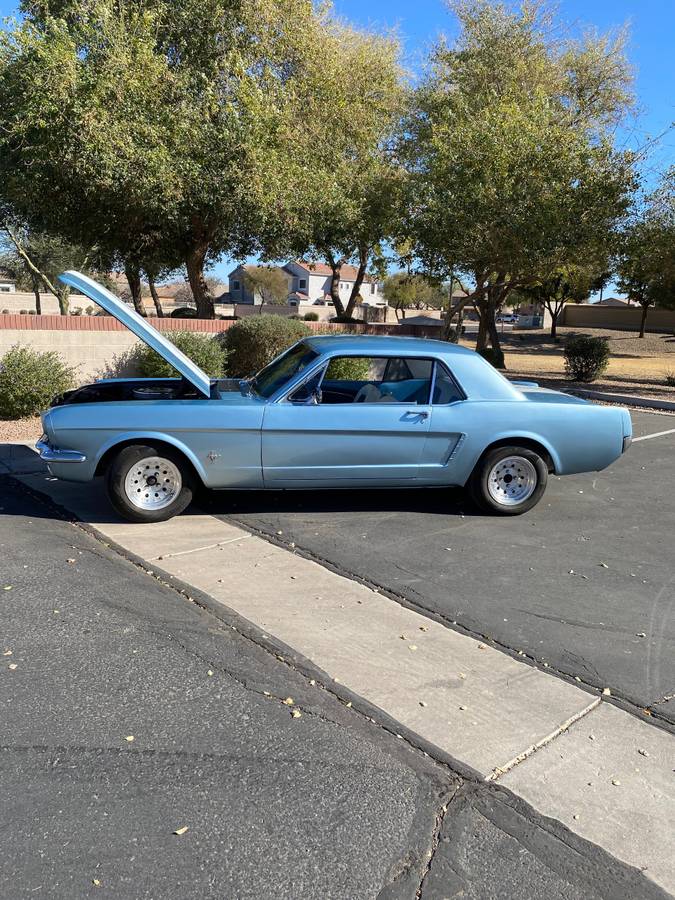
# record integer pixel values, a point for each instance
(268, 381)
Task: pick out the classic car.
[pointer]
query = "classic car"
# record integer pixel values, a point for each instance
(332, 411)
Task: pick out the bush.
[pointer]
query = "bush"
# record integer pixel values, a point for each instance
(586, 357)
(348, 368)
(5, 312)
(23, 312)
(494, 357)
(254, 342)
(32, 312)
(670, 378)
(76, 311)
(30, 380)
(205, 351)
(184, 312)
(89, 310)
(311, 317)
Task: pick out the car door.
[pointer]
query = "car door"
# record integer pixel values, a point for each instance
(347, 442)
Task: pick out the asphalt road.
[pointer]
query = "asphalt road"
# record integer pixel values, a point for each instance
(584, 583)
(325, 805)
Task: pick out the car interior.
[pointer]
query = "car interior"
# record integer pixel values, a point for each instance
(394, 380)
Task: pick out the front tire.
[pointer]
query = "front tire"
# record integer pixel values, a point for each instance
(149, 484)
(509, 481)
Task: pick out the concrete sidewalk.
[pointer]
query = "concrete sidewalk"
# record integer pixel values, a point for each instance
(605, 774)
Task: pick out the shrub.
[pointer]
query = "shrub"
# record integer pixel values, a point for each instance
(494, 357)
(5, 312)
(586, 357)
(76, 311)
(311, 317)
(205, 351)
(29, 380)
(23, 312)
(670, 378)
(348, 368)
(254, 342)
(184, 312)
(89, 310)
(32, 312)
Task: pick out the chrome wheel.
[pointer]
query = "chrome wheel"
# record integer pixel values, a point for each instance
(153, 483)
(512, 481)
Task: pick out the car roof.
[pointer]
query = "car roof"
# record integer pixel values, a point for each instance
(376, 344)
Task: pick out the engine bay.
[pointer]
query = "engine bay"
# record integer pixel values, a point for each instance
(138, 389)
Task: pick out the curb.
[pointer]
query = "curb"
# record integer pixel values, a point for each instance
(641, 402)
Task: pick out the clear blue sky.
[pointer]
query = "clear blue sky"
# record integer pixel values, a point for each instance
(651, 51)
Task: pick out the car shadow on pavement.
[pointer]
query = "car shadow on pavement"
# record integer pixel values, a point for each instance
(433, 500)
(89, 503)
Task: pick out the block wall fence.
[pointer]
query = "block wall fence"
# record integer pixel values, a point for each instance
(93, 345)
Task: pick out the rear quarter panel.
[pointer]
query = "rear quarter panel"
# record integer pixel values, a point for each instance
(579, 437)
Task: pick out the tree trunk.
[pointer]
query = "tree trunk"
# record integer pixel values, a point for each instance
(133, 274)
(63, 296)
(498, 360)
(645, 308)
(554, 312)
(194, 263)
(336, 268)
(482, 339)
(356, 290)
(155, 297)
(36, 292)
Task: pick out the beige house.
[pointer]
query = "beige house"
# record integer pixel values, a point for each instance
(308, 283)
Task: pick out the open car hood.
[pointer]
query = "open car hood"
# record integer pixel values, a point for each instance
(141, 328)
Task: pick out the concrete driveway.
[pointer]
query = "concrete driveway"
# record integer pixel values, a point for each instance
(584, 584)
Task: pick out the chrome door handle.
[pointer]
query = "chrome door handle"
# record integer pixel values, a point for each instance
(421, 414)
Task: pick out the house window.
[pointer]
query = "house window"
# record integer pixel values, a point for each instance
(5, 289)
(236, 285)
(302, 283)
(373, 287)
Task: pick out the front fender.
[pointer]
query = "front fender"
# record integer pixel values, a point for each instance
(150, 436)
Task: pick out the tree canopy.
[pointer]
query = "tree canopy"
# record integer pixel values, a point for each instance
(158, 128)
(513, 172)
(647, 255)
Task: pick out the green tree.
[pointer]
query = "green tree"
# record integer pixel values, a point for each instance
(175, 119)
(647, 258)
(571, 285)
(41, 258)
(512, 171)
(344, 178)
(404, 291)
(268, 283)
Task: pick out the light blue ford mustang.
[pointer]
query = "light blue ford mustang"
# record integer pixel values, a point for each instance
(330, 412)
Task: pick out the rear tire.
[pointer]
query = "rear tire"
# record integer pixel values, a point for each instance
(146, 483)
(508, 481)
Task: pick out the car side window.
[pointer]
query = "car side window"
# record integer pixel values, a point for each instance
(351, 379)
(446, 389)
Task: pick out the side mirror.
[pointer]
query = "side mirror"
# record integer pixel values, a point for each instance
(307, 395)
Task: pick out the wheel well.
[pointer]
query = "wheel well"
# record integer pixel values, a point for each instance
(112, 452)
(523, 442)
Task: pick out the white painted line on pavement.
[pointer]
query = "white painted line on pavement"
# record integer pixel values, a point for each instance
(648, 437)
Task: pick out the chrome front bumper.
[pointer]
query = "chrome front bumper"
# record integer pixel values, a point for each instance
(53, 455)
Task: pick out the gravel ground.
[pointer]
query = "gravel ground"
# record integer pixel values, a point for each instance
(13, 430)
